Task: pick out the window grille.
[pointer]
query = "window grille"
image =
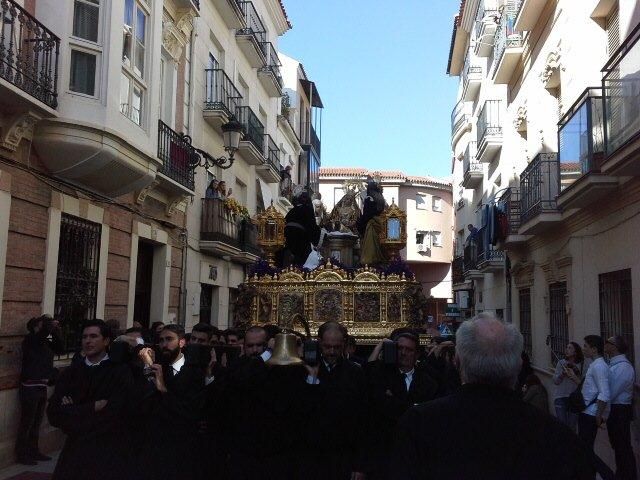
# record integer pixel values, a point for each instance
(616, 307)
(524, 303)
(77, 276)
(559, 325)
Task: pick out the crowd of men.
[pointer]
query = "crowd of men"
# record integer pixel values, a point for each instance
(162, 404)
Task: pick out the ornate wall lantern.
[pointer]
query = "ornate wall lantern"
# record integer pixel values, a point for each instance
(393, 237)
(270, 232)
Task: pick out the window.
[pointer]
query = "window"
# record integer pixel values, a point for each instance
(420, 238)
(616, 307)
(559, 325)
(437, 239)
(206, 296)
(421, 202)
(436, 204)
(86, 15)
(85, 48)
(83, 72)
(524, 304)
(77, 276)
(132, 88)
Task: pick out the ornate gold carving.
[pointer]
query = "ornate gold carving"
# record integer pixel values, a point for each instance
(18, 127)
(393, 236)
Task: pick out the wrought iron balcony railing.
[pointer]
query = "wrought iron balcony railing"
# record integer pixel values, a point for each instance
(581, 136)
(469, 163)
(458, 117)
(273, 63)
(254, 27)
(489, 120)
(28, 53)
(489, 255)
(272, 153)
(484, 17)
(253, 127)
(221, 93)
(539, 186)
(506, 35)
(510, 201)
(218, 224)
(176, 153)
(621, 84)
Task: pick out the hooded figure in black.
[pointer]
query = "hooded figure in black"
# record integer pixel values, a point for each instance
(89, 405)
(300, 229)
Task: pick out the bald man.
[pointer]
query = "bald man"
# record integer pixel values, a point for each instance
(485, 431)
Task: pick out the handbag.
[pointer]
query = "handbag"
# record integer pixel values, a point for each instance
(575, 402)
(314, 260)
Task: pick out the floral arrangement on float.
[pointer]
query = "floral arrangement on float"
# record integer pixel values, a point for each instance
(232, 205)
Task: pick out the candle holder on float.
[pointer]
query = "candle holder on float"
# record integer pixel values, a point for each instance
(270, 232)
(393, 236)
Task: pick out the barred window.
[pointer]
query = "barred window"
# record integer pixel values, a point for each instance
(77, 276)
(524, 304)
(559, 324)
(616, 306)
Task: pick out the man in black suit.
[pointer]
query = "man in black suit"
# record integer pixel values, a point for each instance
(393, 388)
(485, 431)
(336, 431)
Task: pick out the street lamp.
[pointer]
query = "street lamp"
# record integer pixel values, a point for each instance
(231, 135)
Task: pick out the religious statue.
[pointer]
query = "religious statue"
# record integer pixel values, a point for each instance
(346, 212)
(319, 210)
(370, 225)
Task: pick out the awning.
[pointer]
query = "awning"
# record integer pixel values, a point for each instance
(267, 198)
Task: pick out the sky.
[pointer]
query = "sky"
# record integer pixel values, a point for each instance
(380, 68)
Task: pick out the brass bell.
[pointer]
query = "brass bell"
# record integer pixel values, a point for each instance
(285, 351)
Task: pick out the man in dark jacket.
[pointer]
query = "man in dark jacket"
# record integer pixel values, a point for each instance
(38, 349)
(485, 431)
(89, 405)
(393, 388)
(300, 229)
(336, 434)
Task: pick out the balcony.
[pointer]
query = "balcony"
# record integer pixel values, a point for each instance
(581, 140)
(489, 131)
(223, 234)
(470, 262)
(509, 204)
(222, 98)
(457, 275)
(528, 14)
(471, 79)
(508, 44)
(621, 84)
(28, 73)
(192, 5)
(252, 38)
(269, 171)
(176, 153)
(539, 188)
(486, 24)
(460, 121)
(231, 12)
(473, 169)
(285, 191)
(270, 75)
(252, 143)
(491, 261)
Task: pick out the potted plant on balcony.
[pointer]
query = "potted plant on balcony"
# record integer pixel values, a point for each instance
(235, 209)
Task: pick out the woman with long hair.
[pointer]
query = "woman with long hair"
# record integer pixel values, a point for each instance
(573, 361)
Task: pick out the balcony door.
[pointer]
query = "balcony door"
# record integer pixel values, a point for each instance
(144, 279)
(168, 79)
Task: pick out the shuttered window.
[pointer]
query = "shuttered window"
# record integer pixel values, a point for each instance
(613, 31)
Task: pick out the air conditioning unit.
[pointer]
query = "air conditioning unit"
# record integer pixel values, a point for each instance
(423, 248)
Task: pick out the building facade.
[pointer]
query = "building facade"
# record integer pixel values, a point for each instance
(428, 203)
(105, 108)
(545, 165)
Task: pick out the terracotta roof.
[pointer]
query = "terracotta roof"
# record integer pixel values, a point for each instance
(384, 174)
(284, 12)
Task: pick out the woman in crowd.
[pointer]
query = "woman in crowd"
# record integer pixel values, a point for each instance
(573, 361)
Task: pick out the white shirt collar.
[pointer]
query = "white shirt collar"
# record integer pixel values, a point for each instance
(178, 364)
(409, 373)
(89, 364)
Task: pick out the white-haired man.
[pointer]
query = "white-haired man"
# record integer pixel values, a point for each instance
(485, 431)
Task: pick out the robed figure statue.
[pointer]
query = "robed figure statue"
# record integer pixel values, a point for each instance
(370, 225)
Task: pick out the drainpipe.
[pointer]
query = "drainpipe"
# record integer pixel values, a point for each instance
(183, 279)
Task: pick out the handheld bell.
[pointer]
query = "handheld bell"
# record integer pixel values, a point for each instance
(285, 351)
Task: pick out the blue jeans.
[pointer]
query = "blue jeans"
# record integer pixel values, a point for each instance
(563, 413)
